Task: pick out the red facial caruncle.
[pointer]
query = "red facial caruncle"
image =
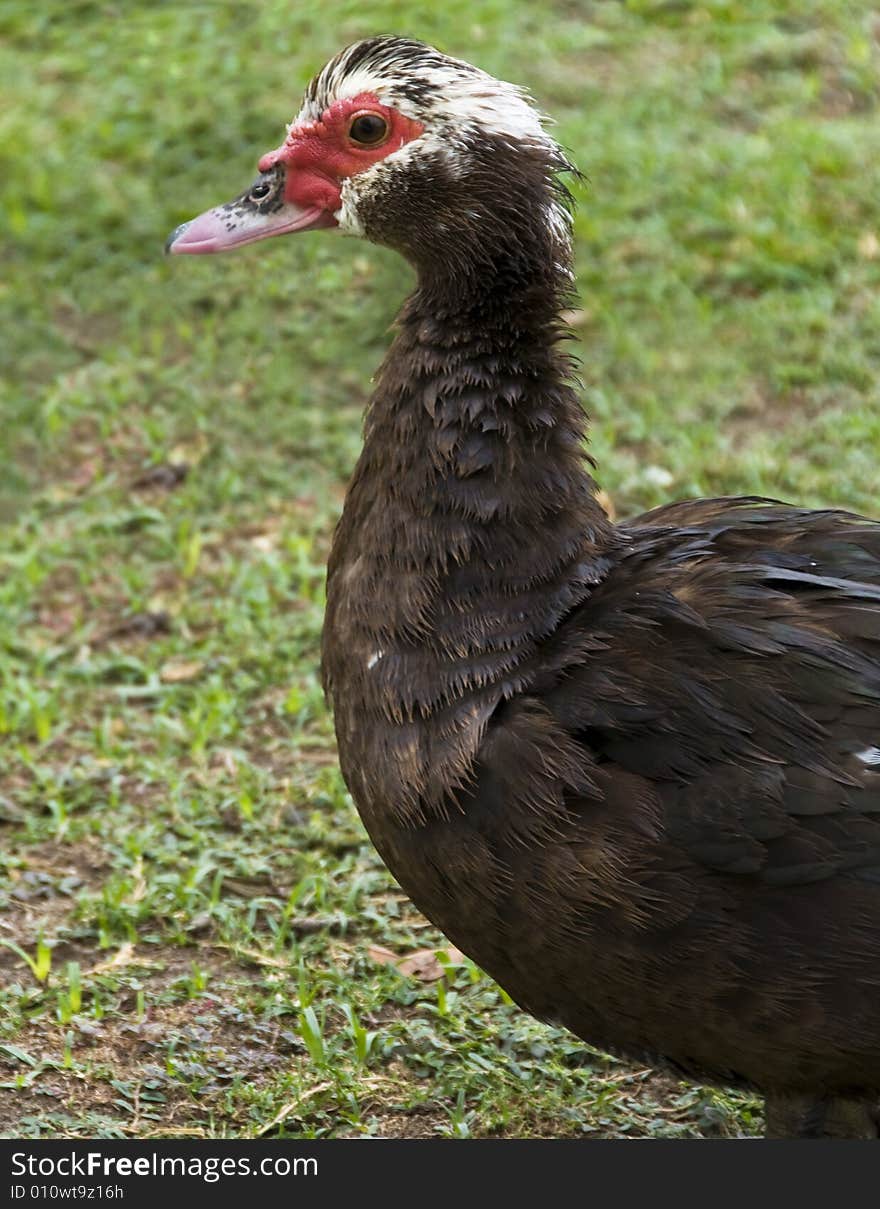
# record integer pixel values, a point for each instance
(302, 183)
(320, 155)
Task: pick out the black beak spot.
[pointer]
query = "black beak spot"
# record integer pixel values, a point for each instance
(174, 235)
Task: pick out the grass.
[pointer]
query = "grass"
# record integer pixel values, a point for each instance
(194, 930)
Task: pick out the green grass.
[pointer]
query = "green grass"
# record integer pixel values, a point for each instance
(189, 907)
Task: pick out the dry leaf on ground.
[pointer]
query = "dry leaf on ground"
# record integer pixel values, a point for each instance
(422, 964)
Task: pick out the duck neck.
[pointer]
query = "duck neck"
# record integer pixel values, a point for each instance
(478, 440)
(471, 526)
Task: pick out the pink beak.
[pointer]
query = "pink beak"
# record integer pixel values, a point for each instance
(245, 220)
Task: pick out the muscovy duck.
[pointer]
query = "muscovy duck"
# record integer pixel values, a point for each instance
(633, 770)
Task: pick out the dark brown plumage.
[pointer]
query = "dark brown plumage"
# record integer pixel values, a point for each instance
(632, 770)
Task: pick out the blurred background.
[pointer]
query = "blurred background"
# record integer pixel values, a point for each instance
(194, 932)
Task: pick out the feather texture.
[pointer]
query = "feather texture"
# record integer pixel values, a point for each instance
(622, 767)
(632, 770)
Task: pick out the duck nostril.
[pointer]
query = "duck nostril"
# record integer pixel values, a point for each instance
(260, 191)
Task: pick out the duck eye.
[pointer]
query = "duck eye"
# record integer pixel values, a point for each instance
(260, 191)
(368, 129)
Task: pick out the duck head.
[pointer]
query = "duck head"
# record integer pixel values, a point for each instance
(403, 145)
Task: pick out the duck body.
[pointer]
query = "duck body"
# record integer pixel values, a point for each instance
(649, 804)
(632, 770)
